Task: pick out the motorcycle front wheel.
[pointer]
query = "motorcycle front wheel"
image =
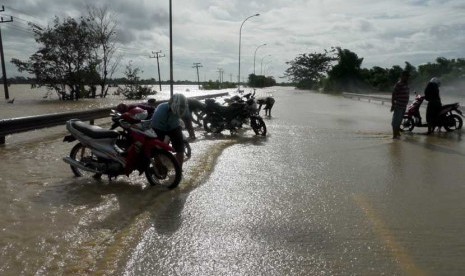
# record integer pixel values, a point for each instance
(258, 126)
(187, 151)
(407, 124)
(84, 155)
(163, 169)
(453, 122)
(198, 117)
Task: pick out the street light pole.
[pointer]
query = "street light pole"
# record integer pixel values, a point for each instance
(240, 35)
(254, 55)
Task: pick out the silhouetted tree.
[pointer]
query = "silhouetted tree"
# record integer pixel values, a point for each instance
(260, 81)
(66, 56)
(346, 75)
(103, 26)
(307, 70)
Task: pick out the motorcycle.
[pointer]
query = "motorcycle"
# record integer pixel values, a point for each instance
(124, 134)
(233, 116)
(97, 153)
(448, 116)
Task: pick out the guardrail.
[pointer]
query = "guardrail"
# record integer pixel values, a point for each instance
(370, 98)
(23, 124)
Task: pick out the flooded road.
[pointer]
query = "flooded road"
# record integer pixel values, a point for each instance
(327, 192)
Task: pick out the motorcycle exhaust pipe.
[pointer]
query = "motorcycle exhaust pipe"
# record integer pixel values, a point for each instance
(79, 165)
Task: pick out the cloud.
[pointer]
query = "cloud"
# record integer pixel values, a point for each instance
(207, 31)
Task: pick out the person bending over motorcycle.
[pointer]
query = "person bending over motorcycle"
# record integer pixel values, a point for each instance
(165, 121)
(434, 103)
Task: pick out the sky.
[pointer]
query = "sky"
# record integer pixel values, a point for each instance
(383, 33)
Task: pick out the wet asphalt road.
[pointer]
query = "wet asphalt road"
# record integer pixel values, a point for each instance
(326, 192)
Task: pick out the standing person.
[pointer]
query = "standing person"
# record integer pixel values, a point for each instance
(165, 121)
(434, 103)
(399, 101)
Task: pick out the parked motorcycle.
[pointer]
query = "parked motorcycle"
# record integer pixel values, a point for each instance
(123, 140)
(448, 116)
(97, 152)
(233, 116)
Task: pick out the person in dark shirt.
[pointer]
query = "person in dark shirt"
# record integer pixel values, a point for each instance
(400, 97)
(268, 102)
(434, 103)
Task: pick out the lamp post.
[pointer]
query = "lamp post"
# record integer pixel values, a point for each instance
(254, 55)
(261, 66)
(240, 34)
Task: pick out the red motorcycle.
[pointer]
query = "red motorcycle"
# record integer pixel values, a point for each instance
(447, 118)
(98, 153)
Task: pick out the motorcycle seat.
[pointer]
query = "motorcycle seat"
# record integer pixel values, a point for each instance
(95, 132)
(449, 105)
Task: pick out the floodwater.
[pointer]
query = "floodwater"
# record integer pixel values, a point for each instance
(326, 192)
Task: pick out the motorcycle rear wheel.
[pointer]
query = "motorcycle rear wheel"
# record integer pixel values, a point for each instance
(83, 154)
(258, 126)
(163, 169)
(453, 122)
(407, 124)
(212, 123)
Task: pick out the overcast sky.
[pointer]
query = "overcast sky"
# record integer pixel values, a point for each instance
(384, 33)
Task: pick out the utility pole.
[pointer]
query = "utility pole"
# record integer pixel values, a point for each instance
(5, 84)
(220, 71)
(171, 50)
(197, 65)
(157, 55)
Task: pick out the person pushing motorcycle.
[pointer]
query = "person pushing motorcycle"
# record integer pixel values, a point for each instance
(434, 103)
(165, 121)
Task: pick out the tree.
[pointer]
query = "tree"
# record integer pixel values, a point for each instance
(132, 89)
(307, 70)
(103, 26)
(65, 59)
(347, 73)
(260, 81)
